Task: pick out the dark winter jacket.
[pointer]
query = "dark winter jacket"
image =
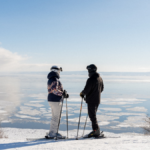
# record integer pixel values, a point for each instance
(54, 87)
(93, 88)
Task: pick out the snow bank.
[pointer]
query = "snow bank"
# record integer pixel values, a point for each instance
(17, 140)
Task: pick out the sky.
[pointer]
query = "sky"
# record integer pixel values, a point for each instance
(112, 34)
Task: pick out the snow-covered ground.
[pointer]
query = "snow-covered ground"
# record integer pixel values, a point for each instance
(16, 139)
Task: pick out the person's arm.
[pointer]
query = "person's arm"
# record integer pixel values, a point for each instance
(87, 88)
(102, 88)
(55, 88)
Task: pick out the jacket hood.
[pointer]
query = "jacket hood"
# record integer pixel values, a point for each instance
(53, 74)
(94, 75)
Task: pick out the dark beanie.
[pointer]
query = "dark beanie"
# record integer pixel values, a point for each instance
(91, 68)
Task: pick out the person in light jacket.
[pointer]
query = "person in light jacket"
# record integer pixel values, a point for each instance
(55, 98)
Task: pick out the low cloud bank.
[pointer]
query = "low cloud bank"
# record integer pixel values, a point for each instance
(10, 61)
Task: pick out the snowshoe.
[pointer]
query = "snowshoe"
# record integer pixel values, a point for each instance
(49, 137)
(100, 136)
(94, 133)
(57, 136)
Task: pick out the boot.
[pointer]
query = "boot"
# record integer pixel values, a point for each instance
(58, 135)
(94, 133)
(48, 136)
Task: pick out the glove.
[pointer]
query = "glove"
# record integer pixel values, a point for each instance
(81, 95)
(65, 95)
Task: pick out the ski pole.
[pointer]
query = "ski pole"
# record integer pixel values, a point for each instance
(79, 118)
(59, 119)
(67, 117)
(85, 125)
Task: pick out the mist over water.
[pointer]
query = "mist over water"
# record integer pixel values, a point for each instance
(125, 101)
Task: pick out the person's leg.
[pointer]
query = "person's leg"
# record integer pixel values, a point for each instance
(55, 109)
(92, 109)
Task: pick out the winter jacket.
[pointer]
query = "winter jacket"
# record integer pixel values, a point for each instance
(54, 86)
(93, 88)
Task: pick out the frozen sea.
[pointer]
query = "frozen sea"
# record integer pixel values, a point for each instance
(125, 101)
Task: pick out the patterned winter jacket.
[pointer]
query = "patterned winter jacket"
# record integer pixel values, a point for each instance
(54, 86)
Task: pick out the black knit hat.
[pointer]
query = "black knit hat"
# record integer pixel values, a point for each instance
(91, 68)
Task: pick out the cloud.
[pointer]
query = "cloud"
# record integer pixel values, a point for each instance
(7, 57)
(144, 69)
(10, 61)
(34, 67)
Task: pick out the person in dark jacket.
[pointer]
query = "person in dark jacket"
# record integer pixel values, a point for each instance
(55, 98)
(93, 88)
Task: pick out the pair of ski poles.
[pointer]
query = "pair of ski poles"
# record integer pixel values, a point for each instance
(67, 119)
(79, 121)
(60, 118)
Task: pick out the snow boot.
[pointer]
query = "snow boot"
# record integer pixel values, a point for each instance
(54, 136)
(49, 137)
(94, 133)
(58, 135)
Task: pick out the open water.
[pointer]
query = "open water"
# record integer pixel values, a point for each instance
(125, 101)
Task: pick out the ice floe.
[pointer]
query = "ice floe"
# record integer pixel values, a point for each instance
(111, 109)
(3, 111)
(39, 96)
(34, 105)
(100, 118)
(103, 123)
(140, 109)
(31, 112)
(105, 117)
(125, 114)
(133, 121)
(24, 116)
(78, 111)
(121, 101)
(5, 121)
(36, 101)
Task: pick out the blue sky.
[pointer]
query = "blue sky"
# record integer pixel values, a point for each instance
(113, 34)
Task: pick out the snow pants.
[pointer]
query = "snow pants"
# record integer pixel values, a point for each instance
(92, 110)
(55, 109)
